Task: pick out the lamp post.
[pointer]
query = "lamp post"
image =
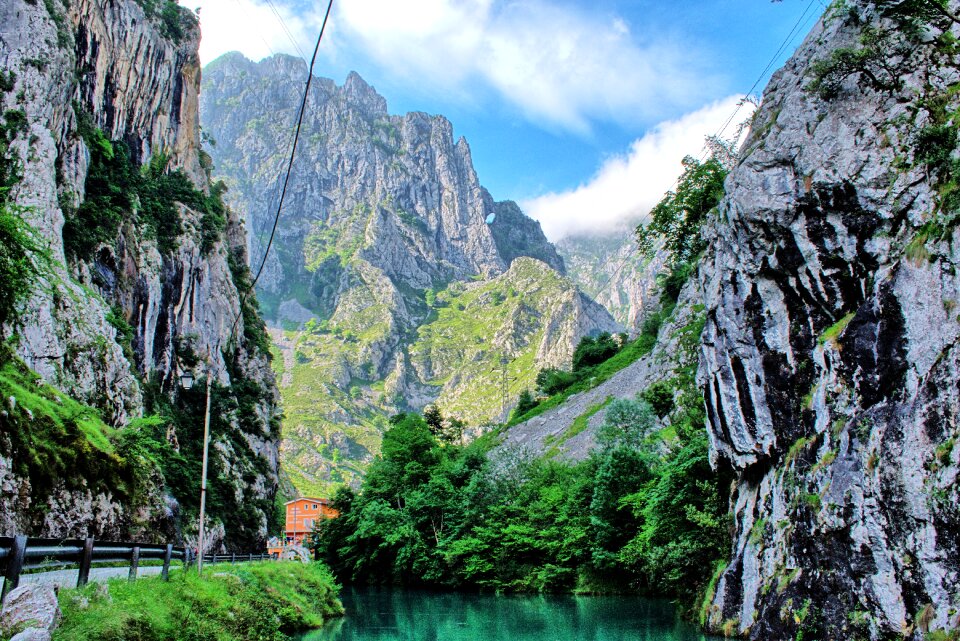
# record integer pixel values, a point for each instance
(186, 381)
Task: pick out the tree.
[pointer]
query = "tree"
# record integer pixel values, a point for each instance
(434, 419)
(21, 257)
(551, 380)
(680, 215)
(593, 351)
(525, 403)
(626, 424)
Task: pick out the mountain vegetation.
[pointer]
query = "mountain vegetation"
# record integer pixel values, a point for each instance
(396, 281)
(645, 511)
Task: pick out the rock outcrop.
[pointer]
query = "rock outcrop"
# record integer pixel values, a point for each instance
(830, 357)
(385, 223)
(116, 320)
(611, 270)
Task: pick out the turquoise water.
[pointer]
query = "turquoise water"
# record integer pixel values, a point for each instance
(380, 614)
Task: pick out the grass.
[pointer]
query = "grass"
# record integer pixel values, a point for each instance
(632, 352)
(582, 422)
(51, 437)
(263, 601)
(833, 332)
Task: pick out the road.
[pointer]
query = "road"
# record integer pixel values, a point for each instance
(68, 578)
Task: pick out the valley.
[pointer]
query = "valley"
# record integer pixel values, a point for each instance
(740, 397)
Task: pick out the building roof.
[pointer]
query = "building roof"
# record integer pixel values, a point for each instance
(308, 499)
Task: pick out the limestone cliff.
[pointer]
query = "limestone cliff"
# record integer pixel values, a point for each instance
(611, 270)
(145, 266)
(389, 253)
(830, 356)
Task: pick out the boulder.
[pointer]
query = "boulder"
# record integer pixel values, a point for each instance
(31, 605)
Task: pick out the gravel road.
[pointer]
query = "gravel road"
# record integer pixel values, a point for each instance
(68, 578)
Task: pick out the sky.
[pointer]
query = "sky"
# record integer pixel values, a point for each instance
(580, 110)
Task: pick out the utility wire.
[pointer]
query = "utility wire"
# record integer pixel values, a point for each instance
(286, 179)
(286, 29)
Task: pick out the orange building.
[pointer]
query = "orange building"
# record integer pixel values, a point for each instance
(303, 514)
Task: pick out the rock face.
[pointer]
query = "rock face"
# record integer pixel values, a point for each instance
(554, 433)
(830, 356)
(611, 270)
(76, 68)
(387, 254)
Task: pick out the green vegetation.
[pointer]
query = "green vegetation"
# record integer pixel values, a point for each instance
(174, 21)
(833, 332)
(264, 601)
(444, 515)
(22, 259)
(52, 439)
(22, 255)
(122, 195)
(677, 218)
(559, 385)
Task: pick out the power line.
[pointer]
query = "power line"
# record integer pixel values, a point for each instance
(286, 179)
(286, 29)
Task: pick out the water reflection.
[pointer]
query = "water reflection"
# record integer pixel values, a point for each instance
(381, 614)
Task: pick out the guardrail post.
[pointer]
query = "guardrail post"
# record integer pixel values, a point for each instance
(86, 559)
(251, 556)
(167, 554)
(134, 563)
(15, 566)
(233, 557)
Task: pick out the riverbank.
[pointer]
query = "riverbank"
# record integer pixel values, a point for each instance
(263, 601)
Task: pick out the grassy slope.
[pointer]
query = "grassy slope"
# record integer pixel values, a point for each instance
(52, 438)
(474, 325)
(335, 418)
(265, 601)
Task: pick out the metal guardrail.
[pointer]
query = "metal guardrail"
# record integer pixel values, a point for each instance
(20, 553)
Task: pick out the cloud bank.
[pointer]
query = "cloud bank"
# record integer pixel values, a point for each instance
(560, 66)
(626, 187)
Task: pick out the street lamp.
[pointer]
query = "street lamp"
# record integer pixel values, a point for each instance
(186, 382)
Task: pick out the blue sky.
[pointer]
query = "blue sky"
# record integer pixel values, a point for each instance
(566, 104)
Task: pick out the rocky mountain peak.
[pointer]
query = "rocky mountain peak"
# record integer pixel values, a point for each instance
(363, 96)
(388, 232)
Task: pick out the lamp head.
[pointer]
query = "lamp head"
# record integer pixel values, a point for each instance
(186, 379)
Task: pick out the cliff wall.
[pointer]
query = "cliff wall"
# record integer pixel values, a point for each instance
(829, 359)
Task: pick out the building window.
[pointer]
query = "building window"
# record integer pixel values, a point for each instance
(314, 506)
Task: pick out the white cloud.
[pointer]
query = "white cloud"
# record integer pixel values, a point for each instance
(627, 187)
(252, 27)
(560, 66)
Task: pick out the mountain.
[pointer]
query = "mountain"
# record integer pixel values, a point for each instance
(613, 272)
(830, 354)
(396, 280)
(140, 281)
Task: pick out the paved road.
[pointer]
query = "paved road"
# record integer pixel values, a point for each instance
(68, 578)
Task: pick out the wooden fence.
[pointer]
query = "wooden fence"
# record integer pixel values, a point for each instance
(20, 553)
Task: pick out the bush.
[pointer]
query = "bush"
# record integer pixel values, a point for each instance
(525, 403)
(552, 381)
(593, 351)
(119, 192)
(660, 397)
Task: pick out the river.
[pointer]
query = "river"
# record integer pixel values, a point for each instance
(380, 614)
